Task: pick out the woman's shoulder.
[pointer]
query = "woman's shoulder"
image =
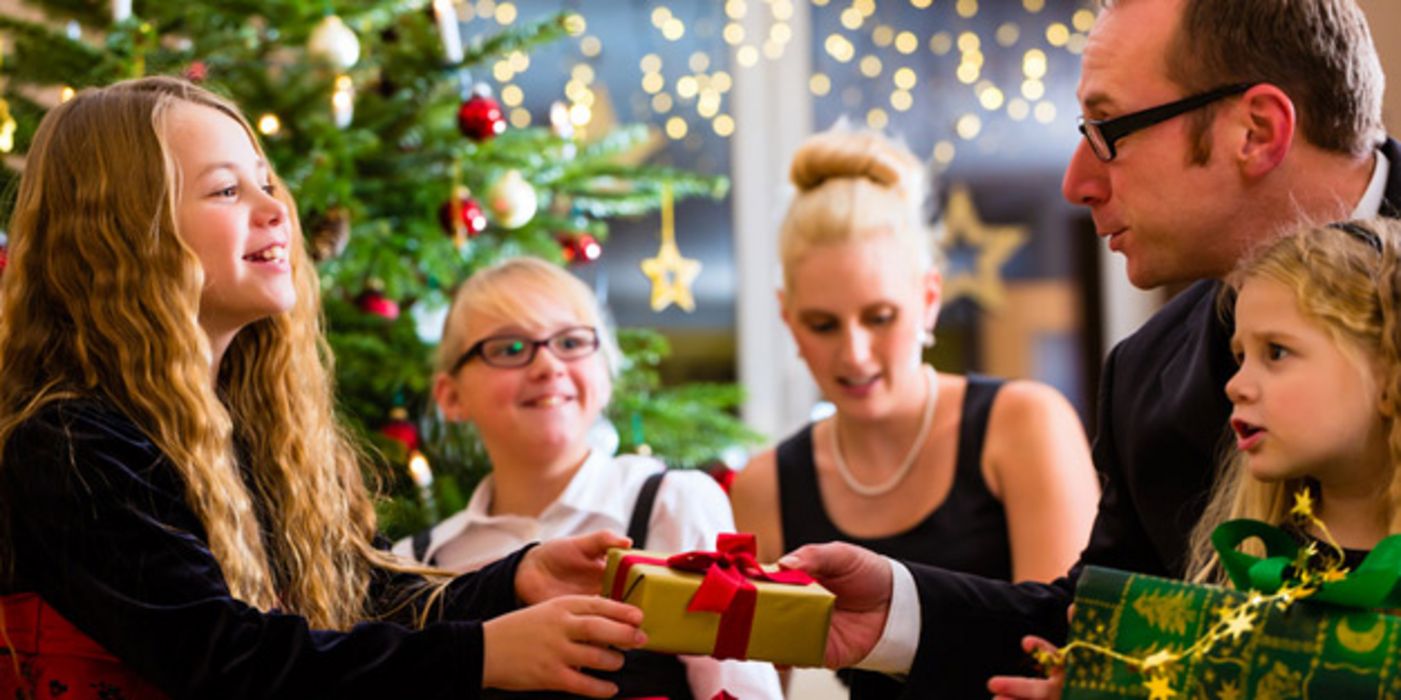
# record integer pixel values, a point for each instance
(1027, 405)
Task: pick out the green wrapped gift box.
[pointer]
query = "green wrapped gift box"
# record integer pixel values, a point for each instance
(1309, 649)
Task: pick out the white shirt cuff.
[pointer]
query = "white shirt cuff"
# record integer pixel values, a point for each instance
(894, 652)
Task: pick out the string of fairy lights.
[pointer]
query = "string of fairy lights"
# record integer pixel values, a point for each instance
(689, 95)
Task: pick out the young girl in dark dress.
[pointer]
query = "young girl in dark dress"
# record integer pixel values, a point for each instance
(182, 514)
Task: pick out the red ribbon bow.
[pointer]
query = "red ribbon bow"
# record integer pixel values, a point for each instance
(727, 589)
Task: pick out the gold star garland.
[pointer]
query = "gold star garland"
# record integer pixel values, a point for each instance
(670, 273)
(1232, 621)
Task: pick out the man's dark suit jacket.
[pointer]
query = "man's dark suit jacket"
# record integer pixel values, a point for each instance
(1162, 418)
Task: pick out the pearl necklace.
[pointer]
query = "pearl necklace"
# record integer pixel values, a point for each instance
(931, 399)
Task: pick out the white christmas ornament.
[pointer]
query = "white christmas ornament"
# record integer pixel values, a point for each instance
(335, 42)
(512, 200)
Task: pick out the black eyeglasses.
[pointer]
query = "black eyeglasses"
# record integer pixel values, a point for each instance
(513, 351)
(1103, 133)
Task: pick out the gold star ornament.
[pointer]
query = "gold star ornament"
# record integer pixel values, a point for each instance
(993, 246)
(671, 274)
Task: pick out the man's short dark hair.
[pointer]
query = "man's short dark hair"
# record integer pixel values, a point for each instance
(1319, 52)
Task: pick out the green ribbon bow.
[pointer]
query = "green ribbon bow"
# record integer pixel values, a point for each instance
(1372, 585)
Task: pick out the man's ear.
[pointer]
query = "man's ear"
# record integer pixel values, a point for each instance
(1268, 121)
(449, 399)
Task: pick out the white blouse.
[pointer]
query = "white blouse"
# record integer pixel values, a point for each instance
(690, 510)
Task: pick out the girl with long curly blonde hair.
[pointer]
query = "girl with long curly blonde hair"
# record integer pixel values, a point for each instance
(1318, 391)
(175, 487)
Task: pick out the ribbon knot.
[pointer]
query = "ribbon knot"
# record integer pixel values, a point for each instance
(727, 588)
(1372, 585)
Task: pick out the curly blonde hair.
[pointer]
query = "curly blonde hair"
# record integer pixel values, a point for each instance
(853, 185)
(1351, 289)
(101, 299)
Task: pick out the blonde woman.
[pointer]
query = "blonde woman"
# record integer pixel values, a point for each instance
(182, 516)
(967, 473)
(527, 359)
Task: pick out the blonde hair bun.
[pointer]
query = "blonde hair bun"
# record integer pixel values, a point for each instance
(843, 153)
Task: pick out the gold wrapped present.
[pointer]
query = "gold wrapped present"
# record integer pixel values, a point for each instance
(723, 604)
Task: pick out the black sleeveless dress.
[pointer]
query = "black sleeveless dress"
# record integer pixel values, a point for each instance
(967, 532)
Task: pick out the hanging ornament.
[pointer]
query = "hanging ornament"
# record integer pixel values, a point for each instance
(400, 429)
(334, 42)
(429, 315)
(992, 247)
(461, 216)
(670, 273)
(196, 72)
(480, 118)
(4, 258)
(512, 200)
(329, 233)
(374, 302)
(579, 248)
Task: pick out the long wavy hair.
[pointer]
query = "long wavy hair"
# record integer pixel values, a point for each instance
(101, 299)
(1352, 291)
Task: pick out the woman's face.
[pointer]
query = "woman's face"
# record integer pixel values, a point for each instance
(227, 214)
(541, 411)
(858, 312)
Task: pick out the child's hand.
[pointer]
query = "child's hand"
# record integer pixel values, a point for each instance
(1017, 688)
(542, 647)
(566, 566)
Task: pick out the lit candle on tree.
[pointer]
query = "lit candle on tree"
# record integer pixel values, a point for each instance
(449, 30)
(121, 9)
(423, 478)
(343, 101)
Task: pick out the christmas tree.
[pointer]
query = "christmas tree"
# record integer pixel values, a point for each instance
(408, 179)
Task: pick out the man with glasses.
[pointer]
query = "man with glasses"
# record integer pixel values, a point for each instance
(1209, 126)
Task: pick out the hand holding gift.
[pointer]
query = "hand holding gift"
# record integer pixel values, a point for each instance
(723, 603)
(861, 580)
(565, 566)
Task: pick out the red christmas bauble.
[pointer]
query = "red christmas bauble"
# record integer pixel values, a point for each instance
(4, 258)
(374, 302)
(462, 213)
(196, 72)
(480, 118)
(580, 249)
(401, 429)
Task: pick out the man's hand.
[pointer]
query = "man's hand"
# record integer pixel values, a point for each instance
(861, 581)
(566, 566)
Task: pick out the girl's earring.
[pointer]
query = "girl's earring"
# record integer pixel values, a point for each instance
(926, 338)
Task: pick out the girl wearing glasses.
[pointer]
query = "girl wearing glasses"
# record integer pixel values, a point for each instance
(525, 358)
(967, 473)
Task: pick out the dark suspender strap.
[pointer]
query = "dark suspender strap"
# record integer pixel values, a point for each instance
(421, 540)
(642, 509)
